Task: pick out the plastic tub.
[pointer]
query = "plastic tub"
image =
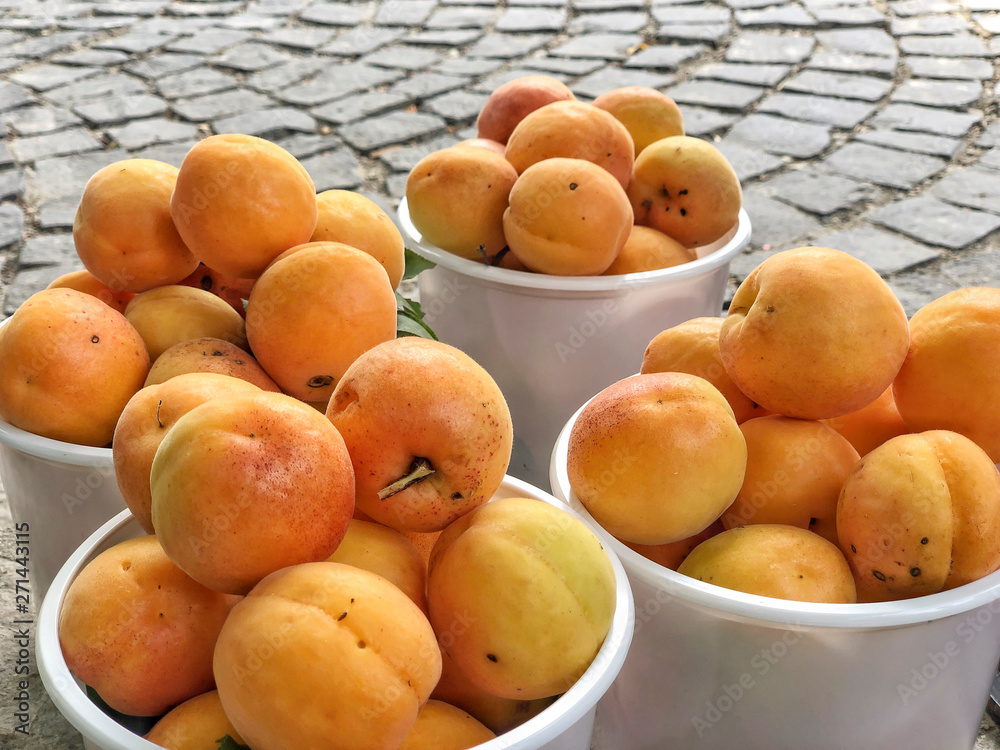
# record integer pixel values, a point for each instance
(565, 725)
(551, 342)
(713, 668)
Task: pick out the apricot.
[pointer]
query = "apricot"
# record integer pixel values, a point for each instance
(813, 333)
(795, 470)
(145, 421)
(457, 197)
(240, 201)
(248, 483)
(649, 250)
(646, 113)
(428, 430)
(357, 221)
(123, 230)
(325, 655)
(870, 426)
(948, 380)
(139, 630)
(196, 724)
(374, 547)
(671, 555)
(487, 143)
(784, 562)
(693, 347)
(583, 226)
(209, 355)
(441, 726)
(84, 281)
(920, 514)
(228, 288)
(685, 188)
(521, 596)
(511, 102)
(68, 365)
(656, 458)
(314, 311)
(574, 130)
(423, 541)
(170, 315)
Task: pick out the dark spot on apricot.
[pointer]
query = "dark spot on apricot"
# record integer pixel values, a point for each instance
(342, 616)
(94, 339)
(924, 540)
(769, 308)
(914, 572)
(647, 204)
(573, 186)
(492, 658)
(456, 496)
(664, 192)
(206, 283)
(239, 361)
(361, 644)
(216, 353)
(683, 192)
(879, 575)
(854, 549)
(320, 381)
(684, 212)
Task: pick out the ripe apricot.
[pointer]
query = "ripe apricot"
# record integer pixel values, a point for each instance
(491, 145)
(229, 288)
(84, 281)
(197, 723)
(511, 102)
(646, 113)
(209, 355)
(123, 230)
(671, 555)
(68, 365)
(870, 426)
(648, 250)
(441, 726)
(240, 201)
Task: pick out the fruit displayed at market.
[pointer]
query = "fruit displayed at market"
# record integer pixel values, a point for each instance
(315, 309)
(84, 281)
(871, 425)
(646, 113)
(584, 226)
(672, 554)
(245, 484)
(68, 365)
(230, 288)
(349, 660)
(511, 102)
(209, 355)
(656, 458)
(834, 333)
(920, 514)
(490, 145)
(648, 250)
(948, 380)
(784, 562)
(521, 596)
(440, 726)
(195, 724)
(428, 431)
(123, 231)
(139, 630)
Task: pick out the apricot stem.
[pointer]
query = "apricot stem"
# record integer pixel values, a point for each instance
(419, 470)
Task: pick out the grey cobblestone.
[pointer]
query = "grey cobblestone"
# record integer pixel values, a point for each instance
(537, 19)
(837, 112)
(358, 106)
(48, 250)
(778, 135)
(11, 224)
(841, 85)
(760, 47)
(38, 120)
(605, 46)
(213, 106)
(852, 62)
(196, 82)
(926, 120)
(886, 252)
(116, 109)
(884, 166)
(733, 96)
(387, 130)
(71, 141)
(949, 67)
(938, 93)
(755, 75)
(935, 222)
(971, 187)
(12, 183)
(935, 145)
(817, 191)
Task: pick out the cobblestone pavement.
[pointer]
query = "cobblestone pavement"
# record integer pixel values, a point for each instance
(871, 127)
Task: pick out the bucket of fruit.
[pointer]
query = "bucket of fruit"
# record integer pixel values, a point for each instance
(805, 498)
(564, 237)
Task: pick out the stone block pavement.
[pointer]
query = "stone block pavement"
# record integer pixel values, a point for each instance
(871, 127)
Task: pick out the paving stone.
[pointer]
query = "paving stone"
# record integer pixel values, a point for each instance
(9, 63)
(10, 37)
(92, 58)
(38, 120)
(982, 5)
(410, 13)
(665, 56)
(63, 177)
(536, 19)
(361, 41)
(11, 224)
(176, 26)
(760, 47)
(956, 45)
(171, 153)
(884, 166)
(115, 109)
(44, 46)
(405, 158)
(697, 14)
(950, 67)
(935, 222)
(927, 25)
(282, 76)
(301, 145)
(31, 280)
(906, 8)
(204, 9)
(784, 16)
(463, 66)
(990, 136)
(848, 62)
(137, 42)
(444, 37)
(837, 112)
(563, 66)
(422, 86)
(926, 120)
(300, 37)
(402, 56)
(973, 269)
(336, 170)
(747, 161)
(609, 78)
(214, 106)
(886, 252)
(701, 122)
(97, 87)
(863, 41)
(608, 4)
(210, 41)
(817, 191)
(250, 57)
(693, 32)
(775, 223)
(461, 18)
(267, 123)
(194, 83)
(135, 7)
(338, 81)
(495, 80)
(756, 75)
(989, 22)
(141, 133)
(778, 135)
(6, 157)
(861, 15)
(336, 14)
(163, 64)
(457, 106)
(507, 46)
(390, 129)
(843, 85)
(971, 187)
(616, 22)
(47, 250)
(97, 23)
(938, 93)
(741, 266)
(13, 96)
(57, 214)
(72, 141)
(358, 106)
(47, 76)
(605, 46)
(935, 145)
(395, 185)
(733, 96)
(12, 183)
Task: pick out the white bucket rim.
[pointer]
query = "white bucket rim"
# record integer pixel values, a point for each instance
(767, 610)
(714, 256)
(53, 450)
(74, 704)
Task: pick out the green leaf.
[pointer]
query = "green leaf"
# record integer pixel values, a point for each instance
(414, 264)
(228, 743)
(410, 319)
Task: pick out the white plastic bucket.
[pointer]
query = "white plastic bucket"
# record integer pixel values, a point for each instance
(62, 491)
(565, 725)
(551, 342)
(717, 669)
